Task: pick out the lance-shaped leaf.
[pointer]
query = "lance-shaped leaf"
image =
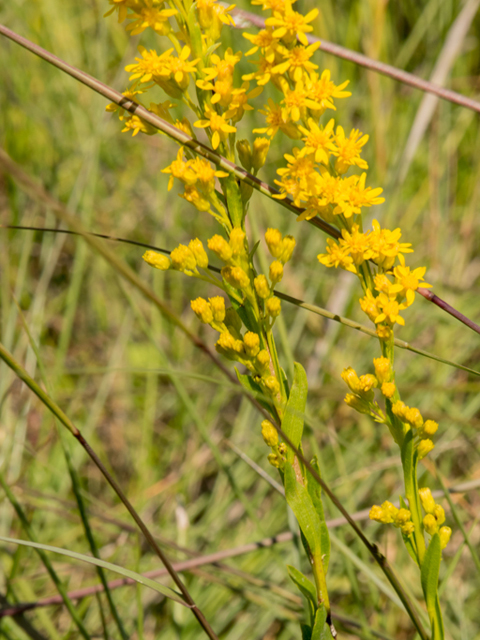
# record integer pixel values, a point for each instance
(315, 491)
(306, 588)
(292, 423)
(321, 630)
(148, 582)
(429, 578)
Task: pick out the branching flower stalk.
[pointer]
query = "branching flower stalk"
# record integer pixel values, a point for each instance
(199, 75)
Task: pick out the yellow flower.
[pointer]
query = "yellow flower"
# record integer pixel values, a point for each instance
(408, 280)
(430, 524)
(264, 41)
(296, 61)
(322, 90)
(217, 124)
(382, 369)
(278, 119)
(386, 247)
(337, 256)
(181, 169)
(153, 17)
(298, 100)
(136, 124)
(424, 447)
(276, 272)
(388, 389)
(348, 150)
(319, 140)
(426, 498)
(290, 25)
(353, 195)
(259, 152)
(389, 310)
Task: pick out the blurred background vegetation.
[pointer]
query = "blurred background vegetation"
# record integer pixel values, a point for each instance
(159, 414)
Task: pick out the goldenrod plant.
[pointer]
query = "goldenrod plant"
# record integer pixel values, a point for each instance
(326, 177)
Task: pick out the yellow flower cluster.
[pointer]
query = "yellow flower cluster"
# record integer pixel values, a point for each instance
(412, 419)
(186, 259)
(434, 517)
(362, 400)
(198, 177)
(390, 514)
(270, 435)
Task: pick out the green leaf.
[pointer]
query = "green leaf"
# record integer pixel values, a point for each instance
(320, 630)
(305, 587)
(292, 423)
(253, 251)
(301, 504)
(254, 389)
(148, 582)
(315, 491)
(429, 574)
(306, 632)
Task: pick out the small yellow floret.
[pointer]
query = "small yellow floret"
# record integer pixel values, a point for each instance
(236, 277)
(276, 272)
(251, 342)
(388, 389)
(273, 238)
(262, 287)
(196, 247)
(382, 369)
(202, 310)
(217, 305)
(430, 524)
(220, 246)
(445, 534)
(426, 498)
(424, 448)
(274, 307)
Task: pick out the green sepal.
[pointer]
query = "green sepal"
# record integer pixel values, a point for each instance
(409, 540)
(306, 588)
(301, 504)
(429, 576)
(294, 416)
(315, 491)
(321, 631)
(254, 389)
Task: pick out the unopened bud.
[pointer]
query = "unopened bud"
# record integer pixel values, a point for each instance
(217, 305)
(430, 524)
(382, 369)
(273, 238)
(220, 246)
(202, 310)
(274, 307)
(260, 151)
(272, 385)
(157, 260)
(426, 498)
(261, 286)
(251, 343)
(196, 247)
(237, 241)
(276, 272)
(424, 448)
(269, 433)
(236, 277)
(445, 534)
(244, 154)
(288, 245)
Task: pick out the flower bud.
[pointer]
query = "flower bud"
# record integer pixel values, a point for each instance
(429, 428)
(424, 448)
(274, 307)
(263, 361)
(272, 385)
(439, 514)
(217, 305)
(388, 389)
(269, 433)
(414, 417)
(445, 534)
(399, 409)
(244, 154)
(157, 260)
(202, 310)
(195, 197)
(382, 369)
(276, 272)
(251, 343)
(288, 245)
(408, 528)
(426, 498)
(349, 376)
(273, 238)
(430, 524)
(183, 260)
(220, 246)
(237, 241)
(261, 286)
(236, 277)
(357, 403)
(260, 151)
(376, 513)
(402, 517)
(274, 460)
(196, 247)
